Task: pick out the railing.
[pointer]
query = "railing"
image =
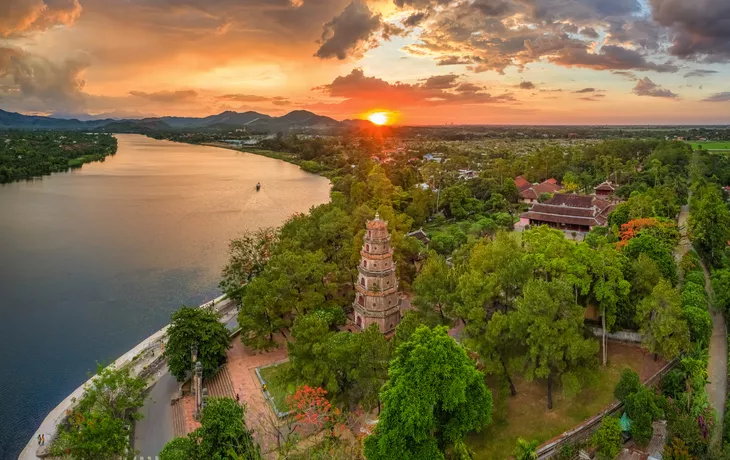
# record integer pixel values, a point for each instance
(585, 429)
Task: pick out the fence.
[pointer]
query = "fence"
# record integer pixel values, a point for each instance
(585, 429)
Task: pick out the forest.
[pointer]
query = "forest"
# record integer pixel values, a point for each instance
(29, 154)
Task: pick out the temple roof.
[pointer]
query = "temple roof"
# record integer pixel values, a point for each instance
(571, 209)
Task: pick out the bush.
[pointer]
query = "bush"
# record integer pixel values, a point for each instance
(628, 385)
(643, 402)
(686, 428)
(608, 438)
(673, 384)
(699, 323)
(693, 299)
(695, 277)
(721, 289)
(642, 429)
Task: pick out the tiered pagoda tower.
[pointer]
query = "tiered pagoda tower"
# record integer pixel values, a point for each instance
(376, 299)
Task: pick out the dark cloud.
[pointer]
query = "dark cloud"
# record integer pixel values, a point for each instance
(347, 33)
(594, 98)
(610, 57)
(243, 97)
(281, 102)
(454, 60)
(440, 81)
(698, 29)
(526, 85)
(699, 73)
(361, 92)
(166, 96)
(415, 19)
(589, 32)
(718, 97)
(586, 90)
(582, 9)
(496, 8)
(646, 87)
(21, 16)
(623, 73)
(57, 84)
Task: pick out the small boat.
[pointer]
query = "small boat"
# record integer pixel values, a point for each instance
(258, 186)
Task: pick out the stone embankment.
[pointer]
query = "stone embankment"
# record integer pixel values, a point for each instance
(144, 359)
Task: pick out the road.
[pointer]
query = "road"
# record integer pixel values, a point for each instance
(156, 428)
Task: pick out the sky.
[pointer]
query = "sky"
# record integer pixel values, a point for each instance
(423, 61)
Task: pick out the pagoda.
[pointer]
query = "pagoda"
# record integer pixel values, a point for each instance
(376, 299)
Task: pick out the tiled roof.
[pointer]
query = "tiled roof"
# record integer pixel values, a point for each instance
(606, 186)
(522, 183)
(571, 209)
(536, 190)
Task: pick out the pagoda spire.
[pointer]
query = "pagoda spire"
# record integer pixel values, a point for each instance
(376, 289)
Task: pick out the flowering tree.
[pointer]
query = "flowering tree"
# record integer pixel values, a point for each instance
(311, 407)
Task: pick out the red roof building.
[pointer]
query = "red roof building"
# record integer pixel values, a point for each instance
(569, 212)
(532, 193)
(605, 189)
(522, 183)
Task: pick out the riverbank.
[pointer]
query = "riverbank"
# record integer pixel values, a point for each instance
(27, 155)
(308, 166)
(144, 360)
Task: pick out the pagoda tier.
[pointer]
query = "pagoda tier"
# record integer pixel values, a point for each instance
(376, 296)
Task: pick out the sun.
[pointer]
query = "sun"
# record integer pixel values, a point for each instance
(378, 118)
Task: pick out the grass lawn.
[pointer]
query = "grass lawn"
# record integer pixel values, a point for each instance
(273, 376)
(711, 145)
(526, 414)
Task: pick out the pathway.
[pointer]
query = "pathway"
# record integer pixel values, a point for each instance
(717, 367)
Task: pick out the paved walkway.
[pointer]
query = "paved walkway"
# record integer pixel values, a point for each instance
(717, 367)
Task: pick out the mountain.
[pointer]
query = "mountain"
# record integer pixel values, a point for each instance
(252, 121)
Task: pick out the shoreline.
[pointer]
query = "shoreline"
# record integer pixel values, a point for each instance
(141, 357)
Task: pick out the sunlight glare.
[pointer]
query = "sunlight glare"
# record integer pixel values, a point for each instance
(378, 118)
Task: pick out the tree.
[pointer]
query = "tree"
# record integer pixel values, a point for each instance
(433, 286)
(628, 385)
(99, 427)
(676, 450)
(248, 255)
(642, 429)
(709, 223)
(721, 289)
(646, 275)
(661, 324)
(526, 450)
(608, 438)
(551, 325)
(199, 328)
(222, 435)
(495, 345)
(608, 288)
(699, 323)
(433, 397)
(292, 283)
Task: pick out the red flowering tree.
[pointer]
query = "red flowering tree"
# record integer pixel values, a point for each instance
(665, 230)
(311, 407)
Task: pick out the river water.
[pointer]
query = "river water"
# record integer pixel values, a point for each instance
(95, 260)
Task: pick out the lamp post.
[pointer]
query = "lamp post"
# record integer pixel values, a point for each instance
(198, 378)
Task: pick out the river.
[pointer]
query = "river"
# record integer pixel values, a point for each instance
(94, 260)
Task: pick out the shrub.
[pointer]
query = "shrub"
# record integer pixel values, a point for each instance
(608, 438)
(642, 429)
(693, 299)
(676, 450)
(699, 323)
(673, 384)
(686, 428)
(643, 402)
(695, 277)
(628, 385)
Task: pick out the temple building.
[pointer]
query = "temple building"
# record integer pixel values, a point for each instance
(529, 193)
(578, 213)
(376, 290)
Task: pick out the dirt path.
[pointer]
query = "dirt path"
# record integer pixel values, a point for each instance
(717, 368)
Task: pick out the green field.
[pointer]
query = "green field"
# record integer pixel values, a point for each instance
(274, 378)
(711, 145)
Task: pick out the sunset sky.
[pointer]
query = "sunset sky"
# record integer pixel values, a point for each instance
(430, 61)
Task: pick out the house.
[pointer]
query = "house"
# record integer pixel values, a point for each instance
(467, 174)
(605, 189)
(531, 193)
(522, 183)
(421, 236)
(578, 213)
(433, 157)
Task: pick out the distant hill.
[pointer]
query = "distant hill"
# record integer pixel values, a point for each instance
(254, 121)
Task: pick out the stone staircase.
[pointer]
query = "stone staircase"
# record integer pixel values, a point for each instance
(178, 419)
(221, 385)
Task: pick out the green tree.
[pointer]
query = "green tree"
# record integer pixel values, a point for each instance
(222, 435)
(434, 396)
(551, 325)
(721, 289)
(645, 275)
(247, 256)
(608, 438)
(660, 318)
(494, 343)
(709, 223)
(95, 435)
(293, 283)
(433, 287)
(526, 450)
(628, 385)
(199, 328)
